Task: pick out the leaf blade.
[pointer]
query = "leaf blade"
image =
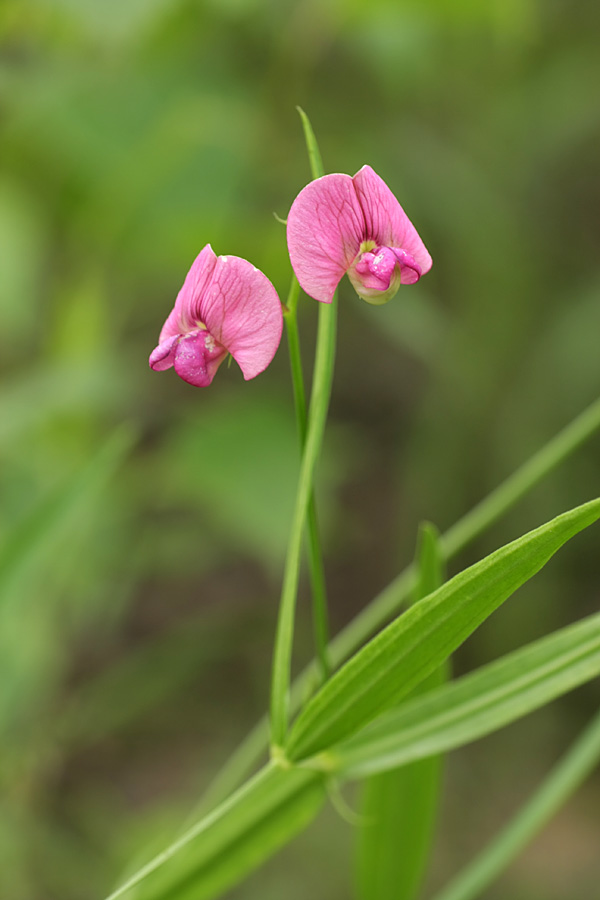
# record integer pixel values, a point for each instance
(224, 846)
(479, 703)
(417, 642)
(564, 779)
(314, 154)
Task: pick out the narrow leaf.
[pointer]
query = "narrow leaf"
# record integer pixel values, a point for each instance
(228, 843)
(394, 596)
(429, 562)
(417, 642)
(563, 781)
(314, 154)
(398, 812)
(478, 703)
(400, 806)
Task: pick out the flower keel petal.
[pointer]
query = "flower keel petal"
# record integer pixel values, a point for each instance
(410, 269)
(197, 358)
(376, 276)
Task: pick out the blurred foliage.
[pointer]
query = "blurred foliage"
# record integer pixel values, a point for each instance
(137, 636)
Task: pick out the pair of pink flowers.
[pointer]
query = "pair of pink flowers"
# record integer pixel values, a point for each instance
(337, 225)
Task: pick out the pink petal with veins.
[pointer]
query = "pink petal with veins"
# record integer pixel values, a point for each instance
(325, 228)
(225, 306)
(185, 315)
(386, 223)
(242, 311)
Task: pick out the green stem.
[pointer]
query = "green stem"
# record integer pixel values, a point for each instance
(399, 591)
(291, 324)
(317, 415)
(564, 779)
(315, 558)
(319, 592)
(319, 404)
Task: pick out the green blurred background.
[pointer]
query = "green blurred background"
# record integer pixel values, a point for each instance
(143, 522)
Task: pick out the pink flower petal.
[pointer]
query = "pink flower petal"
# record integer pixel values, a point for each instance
(325, 229)
(184, 316)
(197, 358)
(242, 310)
(386, 223)
(376, 276)
(376, 269)
(163, 356)
(410, 269)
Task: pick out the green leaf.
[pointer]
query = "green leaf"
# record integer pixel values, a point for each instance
(399, 806)
(479, 703)
(398, 810)
(314, 154)
(563, 780)
(394, 596)
(429, 562)
(417, 642)
(228, 843)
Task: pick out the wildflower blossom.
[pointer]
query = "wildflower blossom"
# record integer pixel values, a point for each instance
(338, 225)
(225, 306)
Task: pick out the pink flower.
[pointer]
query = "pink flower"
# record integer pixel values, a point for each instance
(225, 306)
(338, 225)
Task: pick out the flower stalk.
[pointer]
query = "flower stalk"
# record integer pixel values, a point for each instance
(315, 557)
(317, 416)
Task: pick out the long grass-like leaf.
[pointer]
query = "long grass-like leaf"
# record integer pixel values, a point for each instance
(417, 642)
(392, 598)
(562, 781)
(224, 846)
(479, 703)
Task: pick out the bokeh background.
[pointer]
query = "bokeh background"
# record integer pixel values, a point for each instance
(143, 522)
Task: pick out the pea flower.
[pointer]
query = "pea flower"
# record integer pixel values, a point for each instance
(338, 225)
(226, 305)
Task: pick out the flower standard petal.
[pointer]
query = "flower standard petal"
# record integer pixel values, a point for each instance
(185, 314)
(242, 312)
(325, 229)
(387, 224)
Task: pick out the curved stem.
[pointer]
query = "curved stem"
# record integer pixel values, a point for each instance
(315, 558)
